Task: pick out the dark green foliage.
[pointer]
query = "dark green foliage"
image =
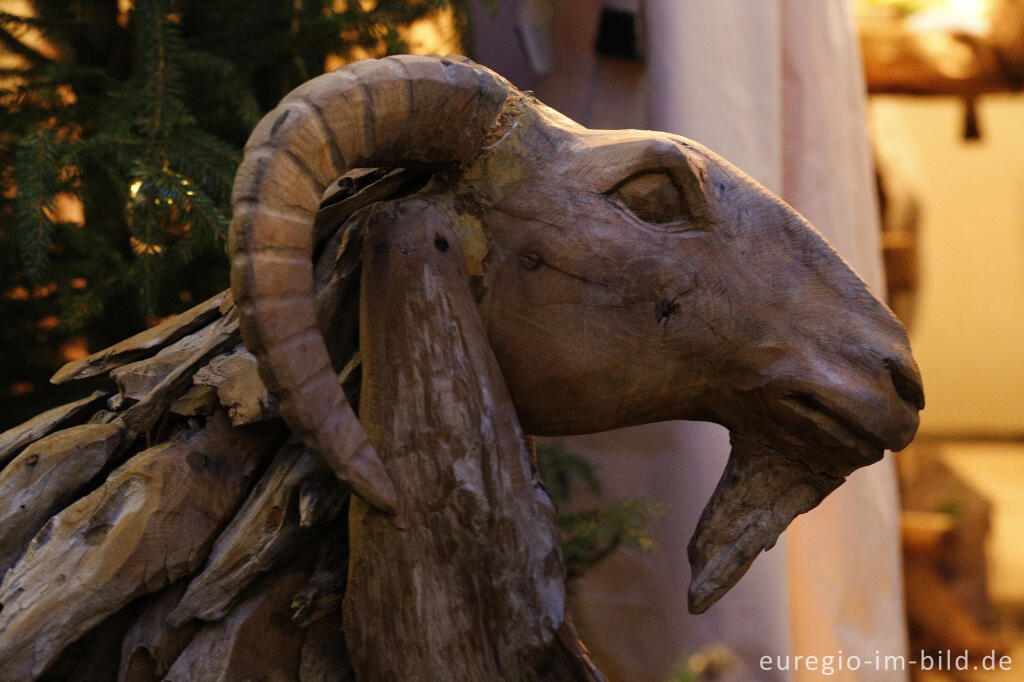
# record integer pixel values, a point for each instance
(141, 116)
(591, 535)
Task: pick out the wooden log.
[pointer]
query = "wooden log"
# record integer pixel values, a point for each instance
(21, 436)
(264, 534)
(255, 641)
(466, 579)
(144, 343)
(151, 645)
(47, 475)
(151, 523)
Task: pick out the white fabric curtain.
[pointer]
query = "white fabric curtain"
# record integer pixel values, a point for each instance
(775, 87)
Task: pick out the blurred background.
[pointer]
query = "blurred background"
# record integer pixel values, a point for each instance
(123, 122)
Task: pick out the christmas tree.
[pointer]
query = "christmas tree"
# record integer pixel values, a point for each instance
(123, 125)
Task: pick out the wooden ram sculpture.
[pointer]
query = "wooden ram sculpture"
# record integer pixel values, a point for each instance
(515, 269)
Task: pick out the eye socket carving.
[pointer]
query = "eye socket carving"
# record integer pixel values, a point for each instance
(654, 197)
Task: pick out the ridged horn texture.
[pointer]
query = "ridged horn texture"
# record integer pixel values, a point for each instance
(397, 111)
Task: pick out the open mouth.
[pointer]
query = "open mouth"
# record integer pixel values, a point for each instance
(834, 426)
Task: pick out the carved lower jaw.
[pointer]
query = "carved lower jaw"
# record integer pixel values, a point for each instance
(760, 492)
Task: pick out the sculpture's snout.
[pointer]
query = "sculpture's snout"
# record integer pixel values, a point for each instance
(851, 392)
(858, 407)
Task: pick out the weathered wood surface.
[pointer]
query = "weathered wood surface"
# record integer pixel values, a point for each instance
(136, 380)
(265, 533)
(150, 646)
(15, 439)
(466, 580)
(218, 337)
(151, 523)
(255, 641)
(47, 474)
(238, 386)
(144, 343)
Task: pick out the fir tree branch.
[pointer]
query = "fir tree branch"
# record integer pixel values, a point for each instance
(34, 177)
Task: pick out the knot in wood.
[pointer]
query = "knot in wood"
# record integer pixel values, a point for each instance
(530, 260)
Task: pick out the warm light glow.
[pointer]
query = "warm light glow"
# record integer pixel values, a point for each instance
(74, 349)
(66, 208)
(140, 247)
(134, 189)
(43, 290)
(49, 322)
(18, 293)
(124, 12)
(434, 34)
(22, 388)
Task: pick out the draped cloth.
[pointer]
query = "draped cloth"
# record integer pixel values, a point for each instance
(775, 87)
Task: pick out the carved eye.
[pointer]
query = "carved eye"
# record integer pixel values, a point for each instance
(653, 196)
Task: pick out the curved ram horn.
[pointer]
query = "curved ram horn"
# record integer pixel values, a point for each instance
(397, 111)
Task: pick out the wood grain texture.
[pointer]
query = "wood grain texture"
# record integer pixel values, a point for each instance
(48, 474)
(238, 387)
(15, 439)
(266, 532)
(151, 523)
(466, 579)
(221, 335)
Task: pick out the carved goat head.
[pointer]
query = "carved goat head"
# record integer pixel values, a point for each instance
(624, 277)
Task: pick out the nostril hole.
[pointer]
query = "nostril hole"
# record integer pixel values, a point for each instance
(441, 243)
(907, 387)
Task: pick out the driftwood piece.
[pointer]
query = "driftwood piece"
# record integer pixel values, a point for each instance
(136, 380)
(255, 641)
(466, 579)
(150, 646)
(238, 386)
(354, 190)
(264, 534)
(46, 475)
(144, 343)
(141, 416)
(151, 523)
(13, 440)
(197, 401)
